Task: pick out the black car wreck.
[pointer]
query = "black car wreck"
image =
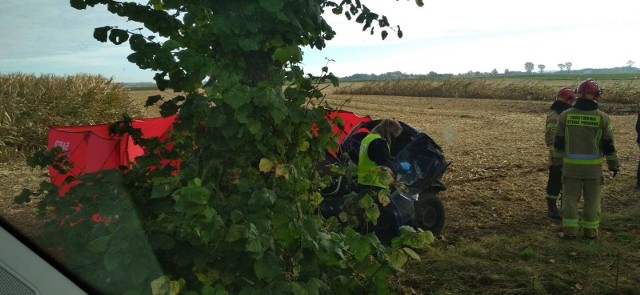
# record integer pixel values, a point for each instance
(414, 197)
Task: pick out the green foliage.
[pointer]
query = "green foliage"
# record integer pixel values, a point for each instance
(29, 104)
(227, 204)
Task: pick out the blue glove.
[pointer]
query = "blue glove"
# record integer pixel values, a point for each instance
(405, 166)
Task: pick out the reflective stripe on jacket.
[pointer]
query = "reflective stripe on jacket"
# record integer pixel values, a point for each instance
(583, 132)
(368, 171)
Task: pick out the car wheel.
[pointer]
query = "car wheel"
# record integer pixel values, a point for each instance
(430, 213)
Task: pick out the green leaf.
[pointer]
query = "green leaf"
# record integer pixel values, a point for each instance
(24, 197)
(314, 287)
(112, 259)
(161, 286)
(99, 245)
(254, 127)
(247, 44)
(236, 99)
(101, 33)
(419, 240)
(254, 243)
(236, 232)
(380, 283)
(359, 245)
(268, 267)
(194, 194)
(272, 5)
(262, 198)
(171, 44)
(161, 241)
(168, 108)
(207, 290)
(160, 191)
(137, 42)
(315, 199)
(384, 34)
(411, 253)
(420, 3)
(236, 216)
(118, 36)
(78, 4)
(372, 214)
(396, 258)
(285, 54)
(151, 100)
(297, 289)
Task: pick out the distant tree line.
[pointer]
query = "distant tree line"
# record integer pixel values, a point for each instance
(529, 67)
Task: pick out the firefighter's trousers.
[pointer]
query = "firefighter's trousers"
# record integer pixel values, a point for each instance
(554, 182)
(573, 190)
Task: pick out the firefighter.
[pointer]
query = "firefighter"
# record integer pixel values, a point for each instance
(584, 135)
(564, 100)
(375, 155)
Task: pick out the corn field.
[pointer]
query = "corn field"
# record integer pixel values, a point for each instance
(625, 92)
(29, 104)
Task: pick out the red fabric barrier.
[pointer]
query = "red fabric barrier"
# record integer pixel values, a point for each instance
(91, 148)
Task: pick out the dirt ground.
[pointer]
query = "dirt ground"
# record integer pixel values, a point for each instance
(496, 180)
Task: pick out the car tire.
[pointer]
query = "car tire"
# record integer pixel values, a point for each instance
(429, 212)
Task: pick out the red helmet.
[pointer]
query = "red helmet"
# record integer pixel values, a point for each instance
(588, 89)
(566, 95)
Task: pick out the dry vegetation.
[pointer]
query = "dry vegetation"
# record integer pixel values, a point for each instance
(29, 104)
(618, 91)
(497, 239)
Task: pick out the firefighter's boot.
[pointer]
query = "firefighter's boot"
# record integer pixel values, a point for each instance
(552, 211)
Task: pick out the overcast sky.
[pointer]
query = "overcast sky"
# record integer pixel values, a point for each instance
(444, 36)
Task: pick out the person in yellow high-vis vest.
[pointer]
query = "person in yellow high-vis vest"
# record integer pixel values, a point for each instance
(376, 171)
(564, 100)
(584, 135)
(375, 155)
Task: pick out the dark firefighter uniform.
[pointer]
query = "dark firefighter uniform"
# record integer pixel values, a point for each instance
(554, 182)
(584, 135)
(638, 143)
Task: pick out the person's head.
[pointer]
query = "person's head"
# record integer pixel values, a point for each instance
(566, 95)
(589, 89)
(388, 129)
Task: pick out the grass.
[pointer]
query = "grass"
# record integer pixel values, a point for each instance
(531, 263)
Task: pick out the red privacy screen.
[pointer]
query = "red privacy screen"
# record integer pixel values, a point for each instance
(90, 148)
